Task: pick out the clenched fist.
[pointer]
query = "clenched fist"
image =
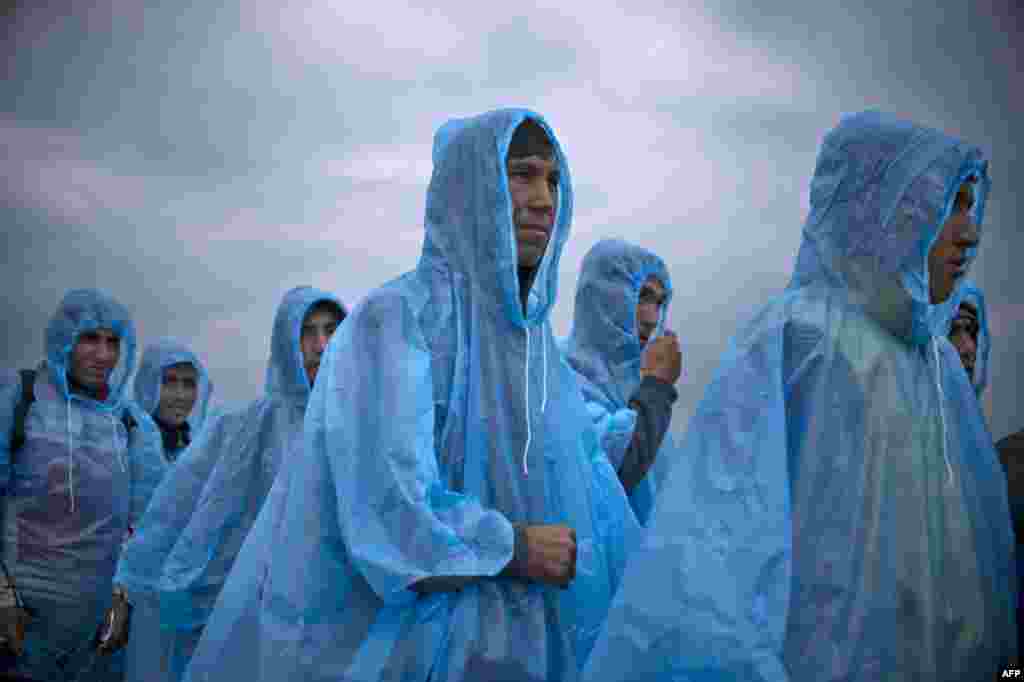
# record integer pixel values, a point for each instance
(551, 554)
(662, 358)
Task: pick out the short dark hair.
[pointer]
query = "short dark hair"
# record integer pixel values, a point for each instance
(325, 305)
(529, 139)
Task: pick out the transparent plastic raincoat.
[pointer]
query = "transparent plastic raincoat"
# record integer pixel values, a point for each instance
(71, 493)
(838, 511)
(148, 647)
(443, 414)
(204, 507)
(604, 349)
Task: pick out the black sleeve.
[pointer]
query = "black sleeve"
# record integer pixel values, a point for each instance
(652, 401)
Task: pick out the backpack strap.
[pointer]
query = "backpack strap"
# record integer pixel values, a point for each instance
(28, 396)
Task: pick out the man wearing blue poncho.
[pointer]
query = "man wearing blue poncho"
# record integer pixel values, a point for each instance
(447, 484)
(173, 387)
(78, 463)
(837, 511)
(205, 506)
(621, 302)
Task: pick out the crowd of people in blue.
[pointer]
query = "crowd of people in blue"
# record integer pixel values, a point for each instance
(433, 488)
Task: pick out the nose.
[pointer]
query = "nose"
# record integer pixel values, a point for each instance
(322, 340)
(541, 196)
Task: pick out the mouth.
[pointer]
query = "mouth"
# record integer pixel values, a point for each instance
(538, 232)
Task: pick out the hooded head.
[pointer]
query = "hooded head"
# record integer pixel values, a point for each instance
(882, 190)
(82, 314)
(605, 342)
(470, 226)
(286, 371)
(159, 357)
(965, 323)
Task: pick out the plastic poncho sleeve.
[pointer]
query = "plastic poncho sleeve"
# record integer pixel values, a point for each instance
(10, 394)
(707, 592)
(168, 512)
(371, 415)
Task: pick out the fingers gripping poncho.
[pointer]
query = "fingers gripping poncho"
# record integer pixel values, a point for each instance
(837, 511)
(442, 416)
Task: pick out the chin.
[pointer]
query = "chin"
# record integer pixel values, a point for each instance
(530, 257)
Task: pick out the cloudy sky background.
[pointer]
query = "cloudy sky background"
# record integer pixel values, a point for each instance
(198, 161)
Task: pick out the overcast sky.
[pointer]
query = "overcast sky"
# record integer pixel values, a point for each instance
(197, 162)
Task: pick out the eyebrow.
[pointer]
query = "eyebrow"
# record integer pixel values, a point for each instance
(533, 163)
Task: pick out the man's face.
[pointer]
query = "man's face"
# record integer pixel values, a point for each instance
(648, 309)
(94, 357)
(317, 328)
(533, 184)
(178, 393)
(964, 337)
(947, 261)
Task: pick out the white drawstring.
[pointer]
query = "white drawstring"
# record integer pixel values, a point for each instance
(529, 433)
(544, 378)
(544, 394)
(71, 459)
(942, 409)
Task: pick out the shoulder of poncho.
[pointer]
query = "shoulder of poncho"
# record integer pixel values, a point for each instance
(242, 423)
(393, 309)
(144, 421)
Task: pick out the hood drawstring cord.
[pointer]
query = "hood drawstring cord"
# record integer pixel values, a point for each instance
(942, 410)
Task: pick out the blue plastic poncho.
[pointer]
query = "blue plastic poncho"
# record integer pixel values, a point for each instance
(443, 415)
(157, 357)
(604, 348)
(969, 292)
(204, 507)
(147, 645)
(838, 511)
(72, 491)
